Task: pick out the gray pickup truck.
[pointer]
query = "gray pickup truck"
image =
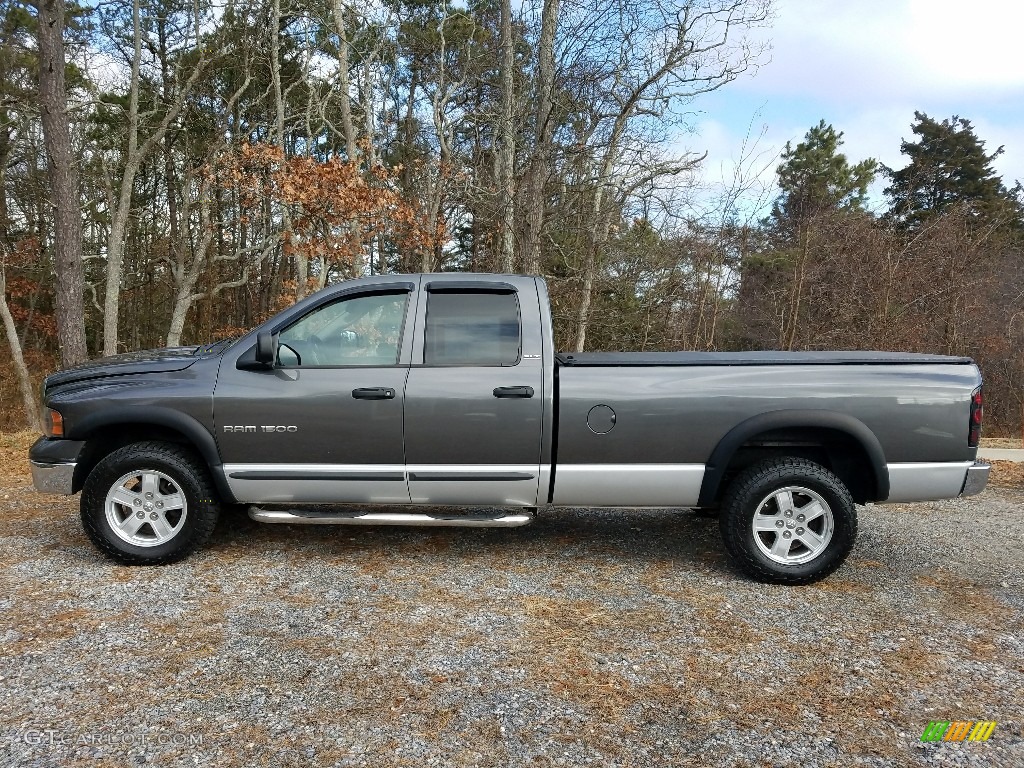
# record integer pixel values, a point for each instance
(445, 390)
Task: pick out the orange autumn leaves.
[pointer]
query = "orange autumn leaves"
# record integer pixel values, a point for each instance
(337, 208)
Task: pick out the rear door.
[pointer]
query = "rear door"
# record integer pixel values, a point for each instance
(324, 425)
(475, 393)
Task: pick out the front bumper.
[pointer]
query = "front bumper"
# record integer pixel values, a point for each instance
(977, 478)
(54, 478)
(53, 465)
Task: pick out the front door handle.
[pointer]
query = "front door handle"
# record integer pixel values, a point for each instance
(374, 393)
(513, 391)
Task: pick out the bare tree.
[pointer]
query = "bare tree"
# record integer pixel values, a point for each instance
(506, 151)
(344, 88)
(63, 175)
(454, 56)
(28, 392)
(139, 148)
(191, 256)
(301, 261)
(544, 128)
(666, 55)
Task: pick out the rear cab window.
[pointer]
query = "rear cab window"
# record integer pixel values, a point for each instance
(472, 327)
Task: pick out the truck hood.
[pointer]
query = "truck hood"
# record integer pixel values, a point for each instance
(146, 361)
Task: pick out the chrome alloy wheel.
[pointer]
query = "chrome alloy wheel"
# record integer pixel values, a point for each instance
(146, 508)
(793, 525)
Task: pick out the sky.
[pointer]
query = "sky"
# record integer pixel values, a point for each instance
(864, 66)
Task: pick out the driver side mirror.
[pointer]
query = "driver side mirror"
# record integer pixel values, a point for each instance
(266, 348)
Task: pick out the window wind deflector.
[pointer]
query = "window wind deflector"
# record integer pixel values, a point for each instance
(365, 290)
(470, 286)
(375, 288)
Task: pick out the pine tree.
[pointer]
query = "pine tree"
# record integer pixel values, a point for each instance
(817, 184)
(948, 166)
(814, 178)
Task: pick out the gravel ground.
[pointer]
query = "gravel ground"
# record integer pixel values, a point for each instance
(1001, 442)
(604, 638)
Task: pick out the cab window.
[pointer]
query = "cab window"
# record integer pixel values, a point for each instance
(472, 328)
(358, 330)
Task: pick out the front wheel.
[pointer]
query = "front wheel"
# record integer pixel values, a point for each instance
(149, 504)
(788, 521)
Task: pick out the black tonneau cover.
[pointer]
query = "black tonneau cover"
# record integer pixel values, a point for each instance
(639, 359)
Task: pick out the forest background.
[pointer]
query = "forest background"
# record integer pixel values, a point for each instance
(174, 172)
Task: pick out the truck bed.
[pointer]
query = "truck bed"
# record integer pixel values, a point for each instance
(648, 424)
(651, 359)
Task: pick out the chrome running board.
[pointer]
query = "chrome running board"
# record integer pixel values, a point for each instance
(304, 517)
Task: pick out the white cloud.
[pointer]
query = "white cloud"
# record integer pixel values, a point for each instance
(968, 45)
(874, 50)
(877, 133)
(866, 66)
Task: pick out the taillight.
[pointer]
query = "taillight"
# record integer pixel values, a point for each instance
(977, 411)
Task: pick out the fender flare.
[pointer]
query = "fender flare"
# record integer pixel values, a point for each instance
(793, 419)
(138, 415)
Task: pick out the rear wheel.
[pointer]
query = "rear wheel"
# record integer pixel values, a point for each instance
(788, 521)
(149, 504)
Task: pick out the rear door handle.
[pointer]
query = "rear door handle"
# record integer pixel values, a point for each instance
(513, 391)
(374, 393)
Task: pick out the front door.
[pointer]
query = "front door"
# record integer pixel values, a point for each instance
(475, 394)
(325, 424)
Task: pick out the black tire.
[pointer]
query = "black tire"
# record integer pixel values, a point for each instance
(178, 473)
(755, 488)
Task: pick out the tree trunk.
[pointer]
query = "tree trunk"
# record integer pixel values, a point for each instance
(301, 263)
(798, 291)
(62, 171)
(409, 131)
(28, 392)
(583, 318)
(275, 71)
(165, 76)
(506, 147)
(183, 300)
(182, 304)
(594, 244)
(369, 127)
(119, 220)
(187, 272)
(540, 164)
(344, 81)
(598, 234)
